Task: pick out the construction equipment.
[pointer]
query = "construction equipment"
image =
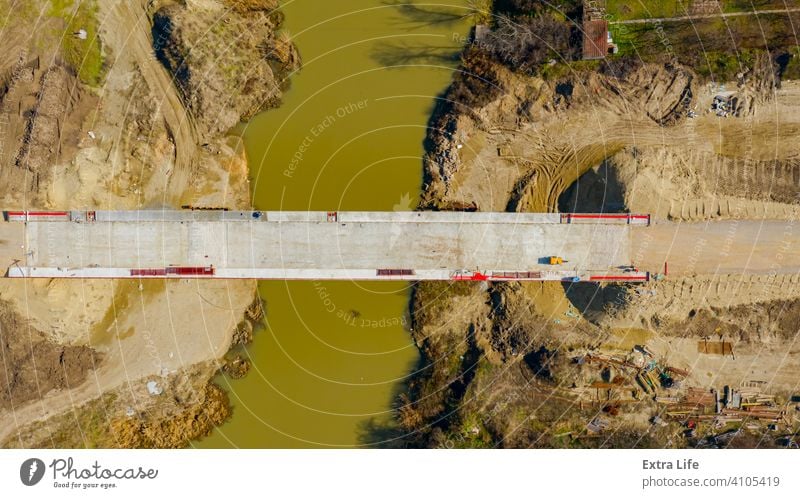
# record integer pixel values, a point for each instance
(557, 260)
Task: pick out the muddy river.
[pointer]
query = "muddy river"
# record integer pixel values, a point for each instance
(349, 136)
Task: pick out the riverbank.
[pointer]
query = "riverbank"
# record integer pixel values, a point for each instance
(140, 128)
(506, 364)
(333, 356)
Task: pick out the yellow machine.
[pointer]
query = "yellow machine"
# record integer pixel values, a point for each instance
(556, 260)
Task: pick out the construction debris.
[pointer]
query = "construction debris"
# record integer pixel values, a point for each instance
(153, 388)
(715, 347)
(597, 425)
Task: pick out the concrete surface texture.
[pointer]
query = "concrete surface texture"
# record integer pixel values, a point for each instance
(720, 247)
(354, 245)
(312, 245)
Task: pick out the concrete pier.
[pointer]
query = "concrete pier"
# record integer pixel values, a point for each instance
(318, 245)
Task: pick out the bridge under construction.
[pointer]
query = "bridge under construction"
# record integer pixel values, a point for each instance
(380, 246)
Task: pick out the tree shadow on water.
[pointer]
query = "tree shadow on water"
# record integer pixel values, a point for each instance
(399, 54)
(375, 433)
(386, 431)
(412, 16)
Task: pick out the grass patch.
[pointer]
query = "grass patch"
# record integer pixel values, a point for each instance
(750, 5)
(623, 10)
(716, 48)
(722, 66)
(791, 71)
(561, 70)
(432, 298)
(17, 13)
(85, 56)
(82, 427)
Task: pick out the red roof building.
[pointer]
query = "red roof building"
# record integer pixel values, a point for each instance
(595, 39)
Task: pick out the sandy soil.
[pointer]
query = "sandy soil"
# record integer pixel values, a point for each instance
(126, 30)
(499, 159)
(148, 333)
(719, 247)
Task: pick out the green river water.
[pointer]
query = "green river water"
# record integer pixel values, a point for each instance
(348, 136)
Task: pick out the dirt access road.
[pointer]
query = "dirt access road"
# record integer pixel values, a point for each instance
(12, 237)
(719, 247)
(126, 27)
(708, 16)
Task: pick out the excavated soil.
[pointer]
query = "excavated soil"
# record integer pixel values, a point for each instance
(33, 365)
(42, 108)
(226, 67)
(186, 407)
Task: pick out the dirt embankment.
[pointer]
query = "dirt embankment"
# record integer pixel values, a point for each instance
(167, 409)
(34, 365)
(41, 108)
(226, 67)
(618, 137)
(141, 138)
(187, 408)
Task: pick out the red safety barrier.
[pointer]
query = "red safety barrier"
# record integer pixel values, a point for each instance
(36, 215)
(477, 276)
(48, 213)
(600, 216)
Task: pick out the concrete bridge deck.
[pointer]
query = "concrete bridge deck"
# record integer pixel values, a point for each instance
(317, 245)
(384, 246)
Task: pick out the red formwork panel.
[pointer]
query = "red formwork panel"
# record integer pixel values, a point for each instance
(190, 270)
(148, 272)
(621, 278)
(515, 275)
(388, 272)
(609, 218)
(174, 271)
(36, 215)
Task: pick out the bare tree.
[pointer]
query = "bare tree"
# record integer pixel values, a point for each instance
(524, 43)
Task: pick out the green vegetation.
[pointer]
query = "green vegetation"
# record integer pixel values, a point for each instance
(17, 13)
(85, 56)
(563, 8)
(436, 297)
(621, 10)
(791, 70)
(481, 11)
(84, 427)
(724, 66)
(471, 433)
(749, 5)
(563, 69)
(716, 48)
